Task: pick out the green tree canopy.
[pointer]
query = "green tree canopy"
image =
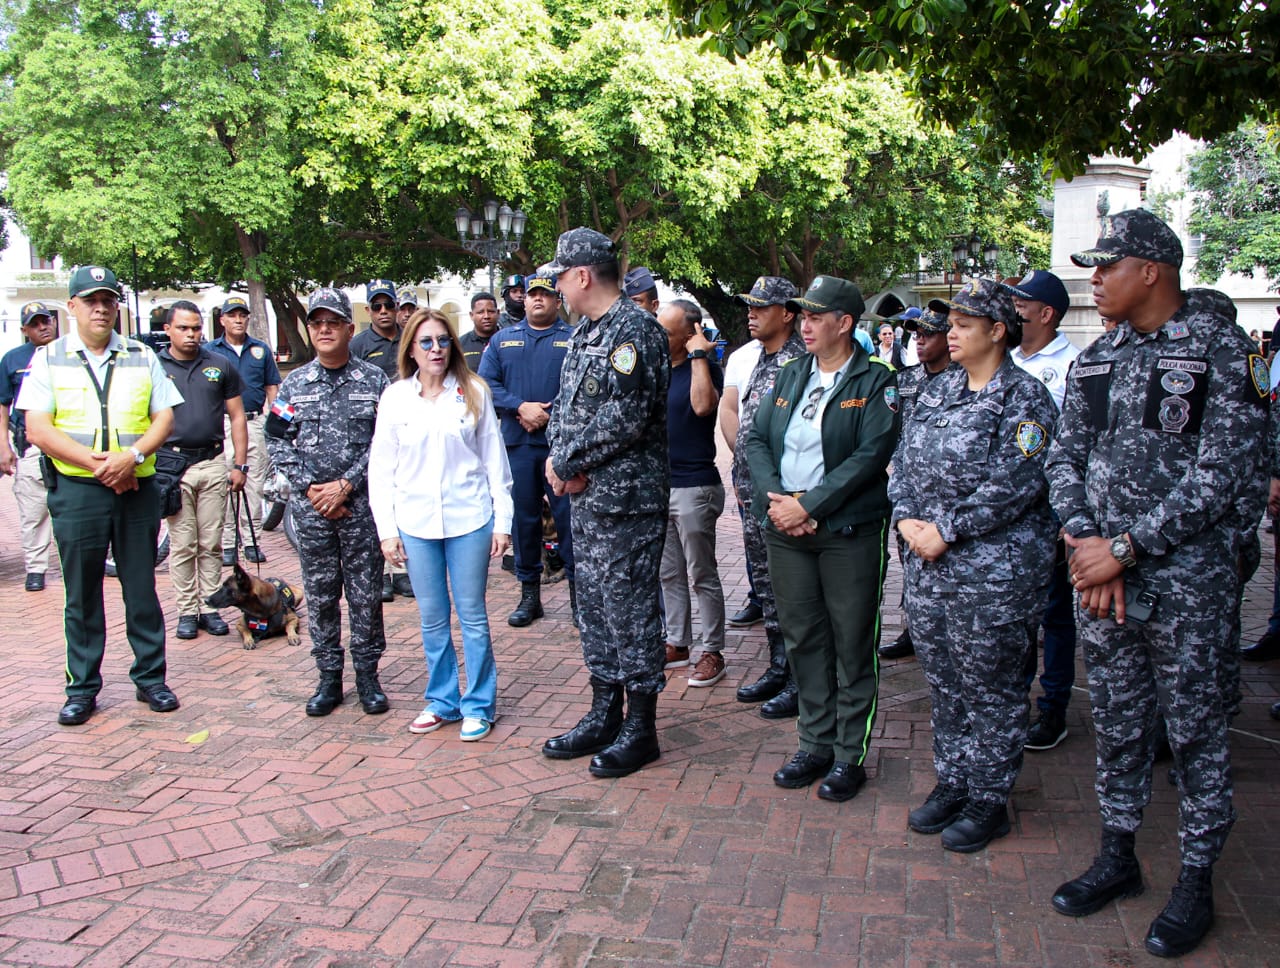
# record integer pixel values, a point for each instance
(1062, 79)
(1237, 207)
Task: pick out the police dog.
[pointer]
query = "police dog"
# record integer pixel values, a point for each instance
(268, 608)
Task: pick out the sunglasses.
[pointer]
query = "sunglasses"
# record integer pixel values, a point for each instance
(382, 306)
(811, 407)
(427, 342)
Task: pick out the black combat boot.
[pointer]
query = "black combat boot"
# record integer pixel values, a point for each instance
(637, 743)
(1188, 916)
(328, 695)
(530, 606)
(785, 705)
(372, 699)
(981, 822)
(596, 730)
(774, 679)
(940, 809)
(1115, 874)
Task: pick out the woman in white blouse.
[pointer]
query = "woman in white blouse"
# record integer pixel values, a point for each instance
(440, 489)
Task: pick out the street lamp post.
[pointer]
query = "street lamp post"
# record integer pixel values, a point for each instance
(476, 232)
(973, 255)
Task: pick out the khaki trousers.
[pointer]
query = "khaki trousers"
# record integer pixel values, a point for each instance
(195, 535)
(257, 477)
(33, 512)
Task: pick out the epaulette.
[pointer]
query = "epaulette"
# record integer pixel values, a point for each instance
(885, 363)
(787, 362)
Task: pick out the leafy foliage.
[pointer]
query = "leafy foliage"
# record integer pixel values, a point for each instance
(1064, 79)
(1238, 205)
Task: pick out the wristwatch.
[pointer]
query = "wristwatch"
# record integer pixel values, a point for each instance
(138, 456)
(698, 355)
(242, 468)
(1122, 551)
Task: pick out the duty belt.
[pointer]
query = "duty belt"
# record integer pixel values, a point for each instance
(196, 454)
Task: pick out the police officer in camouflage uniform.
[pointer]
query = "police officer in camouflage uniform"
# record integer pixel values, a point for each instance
(318, 433)
(608, 439)
(771, 323)
(1162, 435)
(972, 505)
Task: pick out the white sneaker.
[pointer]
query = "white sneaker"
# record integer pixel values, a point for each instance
(428, 722)
(474, 729)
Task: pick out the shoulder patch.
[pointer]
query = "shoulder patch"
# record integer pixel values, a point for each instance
(257, 352)
(623, 359)
(1031, 438)
(1260, 373)
(891, 398)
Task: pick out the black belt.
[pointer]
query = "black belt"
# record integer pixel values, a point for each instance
(196, 454)
(250, 414)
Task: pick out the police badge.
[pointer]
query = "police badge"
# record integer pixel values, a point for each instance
(1031, 438)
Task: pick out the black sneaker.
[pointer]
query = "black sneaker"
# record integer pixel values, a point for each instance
(1046, 732)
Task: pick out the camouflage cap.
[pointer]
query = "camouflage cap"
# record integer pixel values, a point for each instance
(769, 291)
(1210, 301)
(638, 280)
(380, 287)
(234, 304)
(929, 322)
(407, 296)
(981, 297)
(582, 247)
(34, 310)
(541, 280)
(827, 294)
(334, 300)
(87, 279)
(1134, 232)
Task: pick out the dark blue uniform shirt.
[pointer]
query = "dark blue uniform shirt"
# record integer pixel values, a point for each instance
(257, 369)
(523, 364)
(13, 368)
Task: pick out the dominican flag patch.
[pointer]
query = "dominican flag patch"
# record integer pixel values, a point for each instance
(283, 410)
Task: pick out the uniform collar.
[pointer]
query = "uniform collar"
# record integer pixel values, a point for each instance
(115, 343)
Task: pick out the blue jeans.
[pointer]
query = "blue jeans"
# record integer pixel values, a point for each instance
(435, 567)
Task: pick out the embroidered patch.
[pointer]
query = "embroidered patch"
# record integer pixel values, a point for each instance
(1175, 414)
(1178, 381)
(212, 374)
(511, 342)
(257, 624)
(858, 402)
(257, 352)
(891, 398)
(561, 344)
(623, 358)
(1260, 373)
(1048, 375)
(284, 410)
(1031, 437)
(1178, 330)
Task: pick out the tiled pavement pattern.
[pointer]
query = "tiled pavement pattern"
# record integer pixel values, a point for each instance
(239, 832)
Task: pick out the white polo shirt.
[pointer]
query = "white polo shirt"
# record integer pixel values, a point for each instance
(1050, 365)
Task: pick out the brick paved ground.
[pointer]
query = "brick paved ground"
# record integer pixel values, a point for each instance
(237, 831)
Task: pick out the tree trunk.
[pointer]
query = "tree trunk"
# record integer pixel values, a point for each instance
(290, 314)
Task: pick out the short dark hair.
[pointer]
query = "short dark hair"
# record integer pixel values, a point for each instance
(184, 305)
(692, 311)
(606, 273)
(482, 297)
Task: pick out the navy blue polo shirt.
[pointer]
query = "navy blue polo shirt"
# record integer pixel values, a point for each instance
(256, 366)
(691, 440)
(523, 364)
(14, 367)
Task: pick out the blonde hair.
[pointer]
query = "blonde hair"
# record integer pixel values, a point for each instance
(473, 388)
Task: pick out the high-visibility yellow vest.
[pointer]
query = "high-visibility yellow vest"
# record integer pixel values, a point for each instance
(104, 419)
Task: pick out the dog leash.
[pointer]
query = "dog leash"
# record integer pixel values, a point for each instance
(236, 503)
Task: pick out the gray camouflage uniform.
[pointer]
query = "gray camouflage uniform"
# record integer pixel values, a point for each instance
(327, 438)
(1162, 435)
(759, 388)
(609, 422)
(973, 465)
